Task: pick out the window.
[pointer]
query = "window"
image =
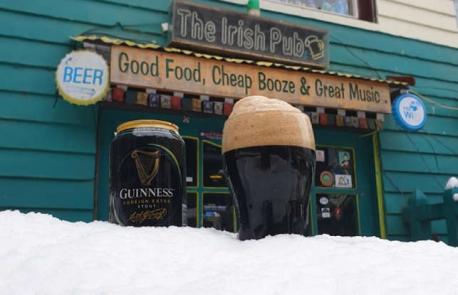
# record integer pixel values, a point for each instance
(337, 214)
(191, 161)
(213, 172)
(360, 9)
(334, 168)
(219, 212)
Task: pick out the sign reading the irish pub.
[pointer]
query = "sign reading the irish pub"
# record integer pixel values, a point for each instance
(184, 73)
(224, 31)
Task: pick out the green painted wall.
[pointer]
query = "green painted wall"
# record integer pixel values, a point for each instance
(47, 149)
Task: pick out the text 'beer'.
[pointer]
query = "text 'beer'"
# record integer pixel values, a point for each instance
(147, 174)
(269, 159)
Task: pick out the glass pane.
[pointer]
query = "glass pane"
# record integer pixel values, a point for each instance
(191, 161)
(337, 6)
(219, 212)
(334, 167)
(191, 213)
(337, 214)
(213, 165)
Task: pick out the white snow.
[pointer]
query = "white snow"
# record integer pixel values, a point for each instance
(452, 183)
(43, 255)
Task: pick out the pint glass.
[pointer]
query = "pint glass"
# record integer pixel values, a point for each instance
(269, 160)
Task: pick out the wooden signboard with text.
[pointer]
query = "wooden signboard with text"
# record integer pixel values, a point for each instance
(189, 74)
(227, 32)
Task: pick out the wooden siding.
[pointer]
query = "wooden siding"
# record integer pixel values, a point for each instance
(47, 147)
(47, 150)
(433, 21)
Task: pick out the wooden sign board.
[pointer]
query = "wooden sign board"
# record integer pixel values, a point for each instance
(226, 32)
(184, 73)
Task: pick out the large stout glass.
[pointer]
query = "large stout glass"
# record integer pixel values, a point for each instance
(269, 160)
(147, 174)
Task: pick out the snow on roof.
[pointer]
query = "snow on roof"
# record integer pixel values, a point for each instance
(43, 255)
(452, 183)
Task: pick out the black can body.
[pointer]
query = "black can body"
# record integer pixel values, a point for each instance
(270, 186)
(147, 175)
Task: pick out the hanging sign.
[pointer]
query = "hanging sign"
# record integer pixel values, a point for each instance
(177, 72)
(409, 112)
(228, 32)
(82, 77)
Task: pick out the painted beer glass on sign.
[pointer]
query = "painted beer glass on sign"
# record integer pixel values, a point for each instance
(269, 159)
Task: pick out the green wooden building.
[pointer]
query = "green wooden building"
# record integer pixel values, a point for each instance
(54, 155)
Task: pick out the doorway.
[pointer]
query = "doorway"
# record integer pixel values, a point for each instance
(343, 198)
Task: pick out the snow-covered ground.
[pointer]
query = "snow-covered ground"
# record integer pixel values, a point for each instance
(43, 255)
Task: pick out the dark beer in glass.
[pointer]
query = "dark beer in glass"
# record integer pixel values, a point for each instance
(147, 174)
(269, 160)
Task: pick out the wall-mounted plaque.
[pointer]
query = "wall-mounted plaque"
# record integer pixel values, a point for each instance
(227, 32)
(186, 73)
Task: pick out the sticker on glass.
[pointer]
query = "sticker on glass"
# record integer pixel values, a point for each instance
(343, 181)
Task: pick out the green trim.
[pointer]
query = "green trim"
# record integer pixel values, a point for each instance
(358, 215)
(312, 211)
(196, 195)
(203, 141)
(379, 185)
(343, 191)
(197, 157)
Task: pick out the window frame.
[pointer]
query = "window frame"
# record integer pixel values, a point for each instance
(196, 181)
(354, 4)
(203, 182)
(318, 15)
(363, 10)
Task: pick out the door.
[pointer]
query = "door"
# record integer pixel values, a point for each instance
(343, 199)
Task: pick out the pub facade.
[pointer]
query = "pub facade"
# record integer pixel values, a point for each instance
(188, 62)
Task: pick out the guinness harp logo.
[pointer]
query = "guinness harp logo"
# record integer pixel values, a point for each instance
(147, 164)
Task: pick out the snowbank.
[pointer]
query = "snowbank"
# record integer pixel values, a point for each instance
(452, 183)
(43, 255)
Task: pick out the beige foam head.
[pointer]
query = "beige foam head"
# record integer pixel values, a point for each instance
(261, 121)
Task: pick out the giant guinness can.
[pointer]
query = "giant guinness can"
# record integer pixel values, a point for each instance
(269, 161)
(147, 174)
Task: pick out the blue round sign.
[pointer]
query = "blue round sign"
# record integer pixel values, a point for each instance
(409, 111)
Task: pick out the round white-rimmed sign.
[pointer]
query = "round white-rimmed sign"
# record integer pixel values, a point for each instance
(82, 77)
(409, 111)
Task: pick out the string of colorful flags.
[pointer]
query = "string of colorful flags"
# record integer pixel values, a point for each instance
(179, 101)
